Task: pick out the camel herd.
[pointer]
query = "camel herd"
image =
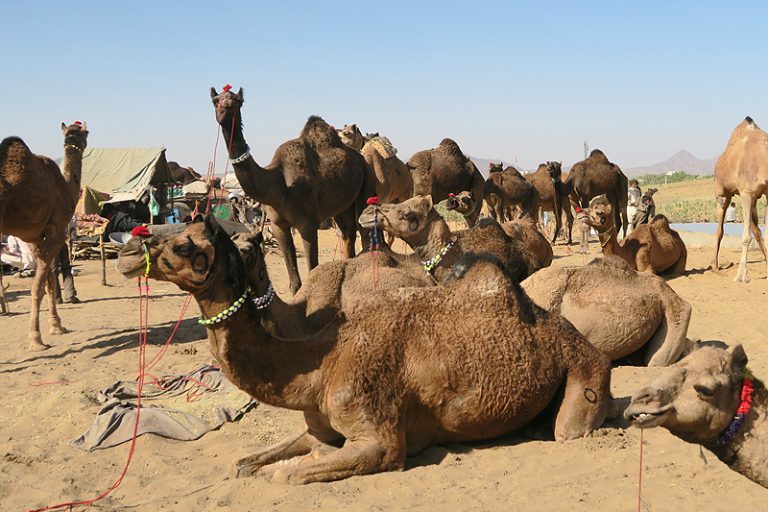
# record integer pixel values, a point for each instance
(385, 355)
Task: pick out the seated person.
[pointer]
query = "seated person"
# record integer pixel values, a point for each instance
(121, 218)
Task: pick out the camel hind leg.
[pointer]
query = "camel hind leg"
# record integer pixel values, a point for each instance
(722, 203)
(754, 226)
(748, 204)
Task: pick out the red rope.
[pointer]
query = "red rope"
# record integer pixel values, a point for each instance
(640, 476)
(156, 359)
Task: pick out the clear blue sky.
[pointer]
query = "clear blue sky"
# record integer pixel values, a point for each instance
(531, 80)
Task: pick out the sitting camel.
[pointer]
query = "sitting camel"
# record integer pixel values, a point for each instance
(507, 189)
(618, 310)
(653, 247)
(369, 382)
(445, 170)
(393, 179)
(710, 398)
(37, 201)
(417, 222)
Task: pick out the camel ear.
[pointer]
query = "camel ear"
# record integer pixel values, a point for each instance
(213, 93)
(63, 127)
(428, 201)
(608, 208)
(739, 359)
(240, 95)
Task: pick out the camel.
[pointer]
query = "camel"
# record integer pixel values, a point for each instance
(618, 310)
(393, 179)
(183, 175)
(506, 189)
(369, 384)
(418, 223)
(552, 194)
(653, 247)
(445, 170)
(310, 179)
(37, 201)
(524, 229)
(742, 170)
(596, 176)
(710, 398)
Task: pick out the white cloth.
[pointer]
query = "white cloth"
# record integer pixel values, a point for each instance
(18, 254)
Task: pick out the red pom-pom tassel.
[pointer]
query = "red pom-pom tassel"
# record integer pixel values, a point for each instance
(451, 195)
(226, 88)
(579, 210)
(372, 200)
(141, 231)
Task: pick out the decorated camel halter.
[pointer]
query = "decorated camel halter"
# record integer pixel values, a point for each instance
(75, 146)
(747, 388)
(265, 300)
(607, 235)
(242, 158)
(231, 310)
(429, 265)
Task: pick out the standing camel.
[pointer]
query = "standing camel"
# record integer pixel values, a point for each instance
(445, 170)
(507, 189)
(742, 170)
(552, 194)
(310, 179)
(37, 201)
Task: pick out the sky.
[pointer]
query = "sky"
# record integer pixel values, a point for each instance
(525, 82)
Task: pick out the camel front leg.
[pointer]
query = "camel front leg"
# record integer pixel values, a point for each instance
(747, 204)
(347, 224)
(722, 203)
(53, 314)
(587, 398)
(309, 239)
(669, 341)
(754, 226)
(38, 290)
(285, 243)
(294, 446)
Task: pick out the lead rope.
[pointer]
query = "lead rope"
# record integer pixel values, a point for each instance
(640, 475)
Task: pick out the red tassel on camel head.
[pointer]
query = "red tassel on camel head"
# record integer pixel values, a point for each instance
(226, 88)
(578, 209)
(141, 231)
(451, 194)
(372, 200)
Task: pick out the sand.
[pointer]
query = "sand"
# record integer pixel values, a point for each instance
(47, 400)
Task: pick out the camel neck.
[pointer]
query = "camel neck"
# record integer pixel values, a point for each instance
(436, 236)
(263, 185)
(279, 318)
(608, 242)
(746, 453)
(71, 169)
(276, 371)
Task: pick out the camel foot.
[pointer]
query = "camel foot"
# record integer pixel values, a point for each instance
(57, 329)
(741, 278)
(37, 346)
(247, 466)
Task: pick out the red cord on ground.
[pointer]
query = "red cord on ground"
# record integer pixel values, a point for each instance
(640, 477)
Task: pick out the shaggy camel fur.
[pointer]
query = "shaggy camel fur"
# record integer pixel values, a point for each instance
(417, 222)
(653, 247)
(37, 201)
(371, 382)
(596, 176)
(697, 400)
(507, 189)
(310, 179)
(524, 229)
(618, 310)
(552, 195)
(742, 170)
(446, 170)
(393, 179)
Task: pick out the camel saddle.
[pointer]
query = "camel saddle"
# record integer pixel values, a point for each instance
(383, 147)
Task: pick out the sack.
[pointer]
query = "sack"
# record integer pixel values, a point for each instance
(383, 146)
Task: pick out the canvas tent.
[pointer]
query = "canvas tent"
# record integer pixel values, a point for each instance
(124, 173)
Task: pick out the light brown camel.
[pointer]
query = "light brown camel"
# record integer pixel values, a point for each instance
(596, 176)
(393, 179)
(552, 195)
(618, 310)
(524, 229)
(505, 190)
(446, 170)
(310, 179)
(37, 201)
(742, 170)
(701, 400)
(418, 223)
(369, 384)
(653, 247)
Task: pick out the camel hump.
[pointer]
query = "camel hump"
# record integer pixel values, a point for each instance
(662, 219)
(319, 133)
(6, 145)
(449, 146)
(596, 154)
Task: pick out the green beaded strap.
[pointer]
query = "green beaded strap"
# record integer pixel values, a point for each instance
(430, 265)
(231, 310)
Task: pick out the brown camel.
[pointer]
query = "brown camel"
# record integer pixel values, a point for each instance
(596, 176)
(552, 195)
(701, 400)
(742, 170)
(446, 170)
(418, 223)
(393, 179)
(507, 189)
(653, 247)
(183, 175)
(618, 310)
(369, 384)
(310, 179)
(37, 201)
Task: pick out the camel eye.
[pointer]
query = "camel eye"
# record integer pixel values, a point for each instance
(185, 251)
(704, 391)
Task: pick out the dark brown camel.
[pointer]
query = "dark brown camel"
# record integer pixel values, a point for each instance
(37, 201)
(310, 179)
(595, 176)
(552, 195)
(369, 384)
(183, 175)
(445, 170)
(507, 189)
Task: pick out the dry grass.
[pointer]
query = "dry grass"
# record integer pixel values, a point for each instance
(694, 201)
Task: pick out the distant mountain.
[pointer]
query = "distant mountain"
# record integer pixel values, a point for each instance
(680, 161)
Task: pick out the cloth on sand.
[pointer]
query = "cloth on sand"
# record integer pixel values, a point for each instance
(188, 410)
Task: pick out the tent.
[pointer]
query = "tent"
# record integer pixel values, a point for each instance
(124, 173)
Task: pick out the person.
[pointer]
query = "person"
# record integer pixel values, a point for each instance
(646, 211)
(66, 292)
(122, 220)
(634, 195)
(730, 213)
(18, 254)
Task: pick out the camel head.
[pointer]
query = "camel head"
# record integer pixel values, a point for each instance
(554, 169)
(598, 215)
(408, 220)
(249, 245)
(492, 167)
(228, 105)
(196, 259)
(462, 203)
(697, 397)
(352, 136)
(75, 134)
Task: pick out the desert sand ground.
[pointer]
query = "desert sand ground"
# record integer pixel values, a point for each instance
(599, 472)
